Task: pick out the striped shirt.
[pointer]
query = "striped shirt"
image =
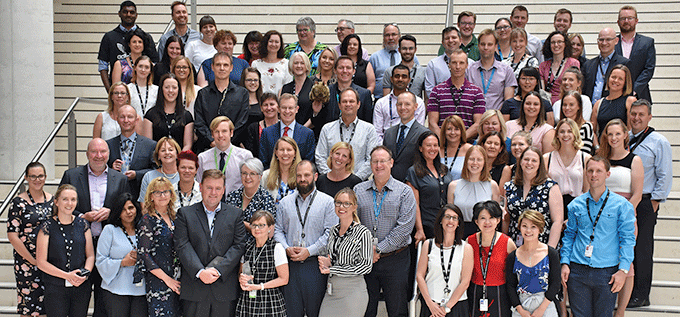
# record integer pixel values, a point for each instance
(393, 225)
(468, 101)
(352, 253)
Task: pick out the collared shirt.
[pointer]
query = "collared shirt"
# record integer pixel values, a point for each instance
(189, 36)
(98, 187)
(291, 126)
(313, 55)
(472, 48)
(364, 54)
(655, 152)
(495, 85)
(321, 219)
(363, 141)
(132, 137)
(210, 103)
(232, 177)
(190, 199)
(438, 72)
(210, 214)
(408, 126)
(627, 46)
(393, 226)
(417, 84)
(602, 66)
(469, 101)
(614, 235)
(385, 114)
(535, 47)
(380, 61)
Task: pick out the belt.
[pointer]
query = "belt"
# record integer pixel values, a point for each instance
(382, 255)
(646, 196)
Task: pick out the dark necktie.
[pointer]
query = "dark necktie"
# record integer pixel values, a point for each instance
(222, 155)
(393, 59)
(402, 135)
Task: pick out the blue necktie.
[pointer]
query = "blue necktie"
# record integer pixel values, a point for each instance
(402, 135)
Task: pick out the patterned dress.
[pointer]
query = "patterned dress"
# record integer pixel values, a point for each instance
(25, 219)
(268, 302)
(260, 201)
(125, 71)
(156, 251)
(537, 199)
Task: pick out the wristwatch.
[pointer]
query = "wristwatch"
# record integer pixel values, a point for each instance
(447, 309)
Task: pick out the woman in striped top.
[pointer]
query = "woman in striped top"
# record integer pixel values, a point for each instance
(350, 256)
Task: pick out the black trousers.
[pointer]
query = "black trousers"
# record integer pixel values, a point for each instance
(124, 306)
(644, 248)
(62, 301)
(391, 275)
(208, 308)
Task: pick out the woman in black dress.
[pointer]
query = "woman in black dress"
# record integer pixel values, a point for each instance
(341, 162)
(27, 212)
(168, 117)
(65, 255)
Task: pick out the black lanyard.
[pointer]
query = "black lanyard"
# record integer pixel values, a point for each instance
(553, 78)
(304, 221)
(128, 238)
(447, 272)
(351, 136)
(454, 157)
(189, 196)
(169, 123)
(338, 244)
(391, 116)
(456, 96)
(637, 140)
(28, 192)
(597, 219)
(144, 102)
(68, 243)
(514, 68)
(440, 181)
(485, 268)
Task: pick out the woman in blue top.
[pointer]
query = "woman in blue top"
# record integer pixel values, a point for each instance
(116, 258)
(453, 144)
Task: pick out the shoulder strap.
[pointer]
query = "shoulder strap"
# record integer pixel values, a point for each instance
(583, 160)
(549, 159)
(429, 246)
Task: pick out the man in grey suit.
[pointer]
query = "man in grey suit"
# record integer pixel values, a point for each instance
(210, 240)
(97, 187)
(131, 153)
(401, 139)
(639, 49)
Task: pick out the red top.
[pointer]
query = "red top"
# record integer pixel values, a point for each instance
(496, 272)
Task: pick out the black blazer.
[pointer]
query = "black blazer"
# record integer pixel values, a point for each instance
(142, 159)
(590, 69)
(642, 64)
(404, 158)
(116, 185)
(196, 249)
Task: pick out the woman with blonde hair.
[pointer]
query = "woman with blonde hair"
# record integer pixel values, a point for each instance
(453, 145)
(165, 155)
(572, 107)
(279, 179)
(157, 257)
(106, 124)
(326, 74)
(519, 141)
(341, 163)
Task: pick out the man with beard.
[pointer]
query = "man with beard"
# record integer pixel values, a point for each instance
(639, 49)
(303, 220)
(386, 57)
(385, 114)
(416, 83)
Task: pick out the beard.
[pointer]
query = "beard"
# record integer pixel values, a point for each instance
(305, 189)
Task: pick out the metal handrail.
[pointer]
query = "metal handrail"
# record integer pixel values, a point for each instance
(68, 115)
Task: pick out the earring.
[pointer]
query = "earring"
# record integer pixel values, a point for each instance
(269, 231)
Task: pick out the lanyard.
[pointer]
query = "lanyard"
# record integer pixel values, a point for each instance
(456, 94)
(412, 71)
(28, 192)
(553, 77)
(212, 223)
(514, 68)
(127, 155)
(254, 261)
(338, 243)
(454, 157)
(144, 102)
(597, 219)
(447, 272)
(440, 180)
(500, 53)
(217, 165)
(603, 62)
(128, 238)
(68, 243)
(391, 116)
(351, 136)
(635, 140)
(485, 268)
(189, 196)
(487, 85)
(377, 208)
(169, 123)
(304, 221)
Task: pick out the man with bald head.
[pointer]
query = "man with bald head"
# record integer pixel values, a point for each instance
(97, 186)
(346, 27)
(595, 70)
(386, 57)
(402, 138)
(131, 153)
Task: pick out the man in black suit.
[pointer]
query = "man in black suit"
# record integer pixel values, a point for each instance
(131, 153)
(401, 139)
(639, 49)
(596, 70)
(97, 187)
(210, 240)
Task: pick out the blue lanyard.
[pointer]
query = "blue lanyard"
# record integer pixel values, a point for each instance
(377, 208)
(486, 86)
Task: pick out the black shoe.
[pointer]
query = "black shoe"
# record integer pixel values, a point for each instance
(637, 302)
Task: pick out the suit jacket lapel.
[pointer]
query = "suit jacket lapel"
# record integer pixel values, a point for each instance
(109, 186)
(85, 185)
(410, 135)
(203, 219)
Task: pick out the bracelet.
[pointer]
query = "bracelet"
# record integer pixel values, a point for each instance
(262, 285)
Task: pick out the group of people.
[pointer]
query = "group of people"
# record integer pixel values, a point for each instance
(309, 198)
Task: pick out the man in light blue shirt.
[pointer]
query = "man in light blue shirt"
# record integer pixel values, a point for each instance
(597, 247)
(386, 57)
(655, 152)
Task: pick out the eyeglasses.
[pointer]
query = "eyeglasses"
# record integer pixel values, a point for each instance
(252, 80)
(466, 23)
(303, 30)
(345, 204)
(627, 18)
(556, 42)
(341, 28)
(159, 193)
(605, 39)
(38, 177)
(503, 27)
(451, 218)
(251, 174)
(527, 79)
(119, 93)
(258, 226)
(182, 67)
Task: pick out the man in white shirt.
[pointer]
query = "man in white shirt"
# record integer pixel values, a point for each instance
(385, 114)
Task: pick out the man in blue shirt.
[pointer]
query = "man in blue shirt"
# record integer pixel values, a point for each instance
(386, 57)
(655, 152)
(597, 247)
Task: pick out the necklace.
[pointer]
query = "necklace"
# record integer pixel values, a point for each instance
(246, 195)
(168, 176)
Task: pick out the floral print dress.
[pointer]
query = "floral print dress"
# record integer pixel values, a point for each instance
(26, 219)
(537, 199)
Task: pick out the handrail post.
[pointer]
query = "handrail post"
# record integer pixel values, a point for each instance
(72, 141)
(449, 12)
(194, 15)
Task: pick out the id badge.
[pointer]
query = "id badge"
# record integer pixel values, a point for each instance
(483, 304)
(589, 251)
(252, 294)
(67, 283)
(329, 289)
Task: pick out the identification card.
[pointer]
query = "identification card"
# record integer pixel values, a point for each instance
(589, 250)
(252, 294)
(483, 304)
(67, 283)
(329, 289)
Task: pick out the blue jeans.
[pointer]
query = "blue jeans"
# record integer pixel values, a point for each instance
(590, 292)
